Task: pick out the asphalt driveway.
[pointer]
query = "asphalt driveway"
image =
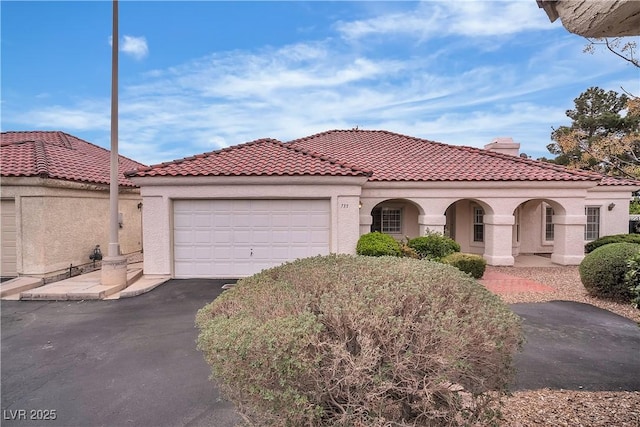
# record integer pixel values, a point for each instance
(128, 362)
(575, 346)
(133, 362)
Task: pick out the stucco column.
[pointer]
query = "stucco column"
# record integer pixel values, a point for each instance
(568, 239)
(348, 227)
(431, 223)
(157, 230)
(498, 235)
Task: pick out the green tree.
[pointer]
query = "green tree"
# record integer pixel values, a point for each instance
(604, 134)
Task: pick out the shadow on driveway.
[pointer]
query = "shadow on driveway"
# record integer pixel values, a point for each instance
(133, 362)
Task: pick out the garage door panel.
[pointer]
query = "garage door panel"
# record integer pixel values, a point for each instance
(183, 253)
(241, 236)
(299, 236)
(202, 219)
(222, 220)
(202, 236)
(222, 236)
(319, 236)
(8, 239)
(183, 236)
(280, 236)
(237, 238)
(261, 236)
(241, 219)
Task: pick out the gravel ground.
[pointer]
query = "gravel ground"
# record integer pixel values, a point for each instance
(565, 407)
(567, 285)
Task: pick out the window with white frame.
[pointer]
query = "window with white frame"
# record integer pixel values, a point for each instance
(592, 229)
(478, 224)
(549, 230)
(387, 220)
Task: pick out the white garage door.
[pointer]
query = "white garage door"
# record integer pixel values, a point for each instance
(238, 238)
(8, 238)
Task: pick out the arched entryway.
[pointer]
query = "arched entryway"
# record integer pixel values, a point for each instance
(396, 217)
(534, 230)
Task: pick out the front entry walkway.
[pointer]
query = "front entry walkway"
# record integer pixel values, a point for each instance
(86, 286)
(501, 283)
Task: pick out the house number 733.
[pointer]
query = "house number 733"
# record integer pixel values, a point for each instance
(344, 205)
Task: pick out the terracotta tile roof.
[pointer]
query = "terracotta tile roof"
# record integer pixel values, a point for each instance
(263, 157)
(58, 155)
(396, 157)
(611, 180)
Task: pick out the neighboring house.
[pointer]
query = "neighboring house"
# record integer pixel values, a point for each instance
(233, 212)
(55, 203)
(591, 18)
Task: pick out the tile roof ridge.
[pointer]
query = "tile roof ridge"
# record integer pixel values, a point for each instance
(67, 136)
(41, 163)
(206, 154)
(358, 130)
(325, 158)
(65, 139)
(537, 163)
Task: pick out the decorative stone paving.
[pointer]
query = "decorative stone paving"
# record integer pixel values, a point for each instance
(500, 283)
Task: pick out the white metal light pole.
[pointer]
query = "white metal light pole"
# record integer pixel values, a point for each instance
(114, 265)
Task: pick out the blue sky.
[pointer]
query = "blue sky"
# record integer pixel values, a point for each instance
(198, 76)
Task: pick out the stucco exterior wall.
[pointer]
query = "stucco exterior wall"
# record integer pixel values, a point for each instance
(503, 204)
(352, 200)
(616, 220)
(532, 228)
(158, 194)
(59, 223)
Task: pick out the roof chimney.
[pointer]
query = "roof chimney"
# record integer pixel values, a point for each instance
(504, 146)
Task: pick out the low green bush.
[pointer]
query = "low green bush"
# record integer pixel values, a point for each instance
(615, 238)
(434, 246)
(471, 264)
(360, 341)
(602, 271)
(632, 279)
(378, 244)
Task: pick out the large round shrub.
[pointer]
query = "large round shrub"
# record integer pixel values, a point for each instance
(360, 341)
(603, 271)
(434, 246)
(632, 279)
(472, 264)
(378, 244)
(615, 238)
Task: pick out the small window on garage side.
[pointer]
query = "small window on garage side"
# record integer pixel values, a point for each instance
(592, 229)
(478, 224)
(549, 230)
(387, 220)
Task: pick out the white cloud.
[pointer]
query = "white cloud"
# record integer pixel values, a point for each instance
(472, 19)
(88, 116)
(135, 46)
(287, 92)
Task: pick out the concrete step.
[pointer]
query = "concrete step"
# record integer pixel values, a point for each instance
(19, 284)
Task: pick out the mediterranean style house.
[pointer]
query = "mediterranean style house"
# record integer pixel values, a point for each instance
(233, 212)
(54, 190)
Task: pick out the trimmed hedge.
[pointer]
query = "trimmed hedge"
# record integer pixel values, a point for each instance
(602, 271)
(615, 238)
(378, 244)
(434, 246)
(632, 279)
(471, 264)
(361, 341)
